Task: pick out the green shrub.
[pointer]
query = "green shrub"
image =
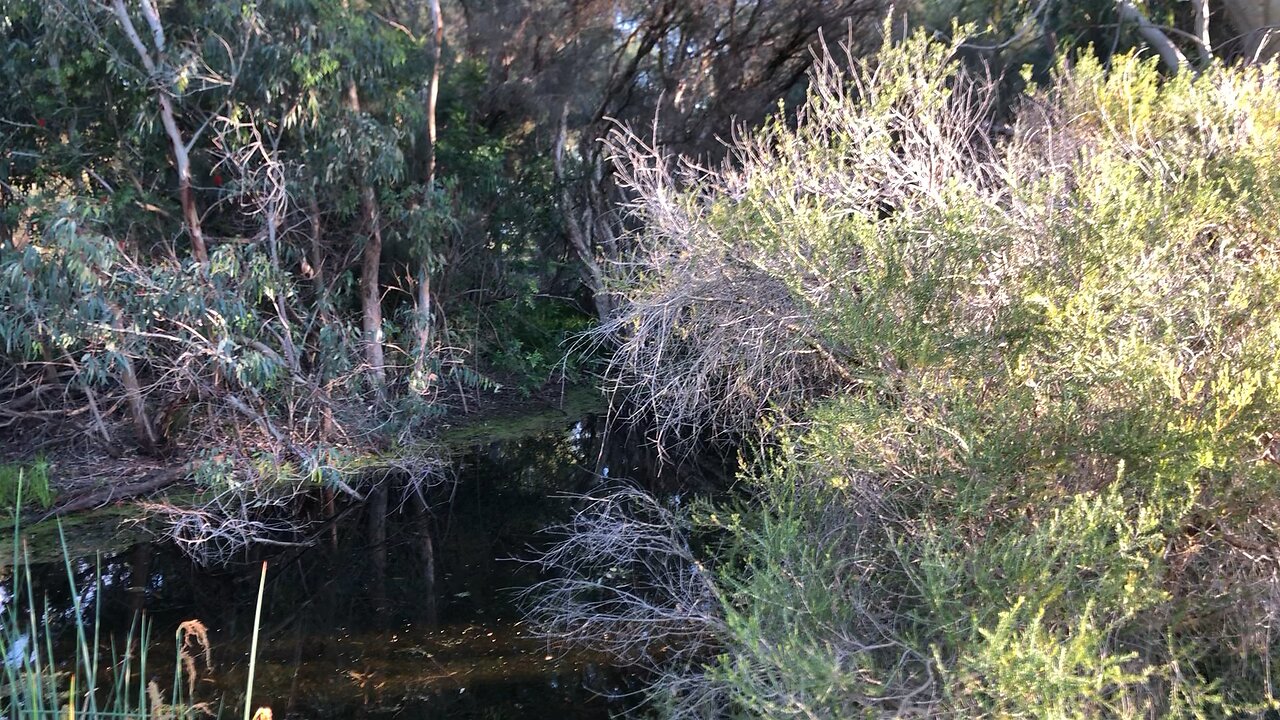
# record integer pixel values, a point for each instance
(1030, 389)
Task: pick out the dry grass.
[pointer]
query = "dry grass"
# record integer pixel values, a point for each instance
(726, 313)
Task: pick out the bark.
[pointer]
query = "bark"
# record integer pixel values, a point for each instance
(424, 273)
(149, 484)
(99, 425)
(1201, 10)
(178, 144)
(330, 514)
(437, 26)
(317, 259)
(1169, 53)
(578, 226)
(424, 314)
(370, 290)
(286, 329)
(1258, 25)
(326, 317)
(142, 426)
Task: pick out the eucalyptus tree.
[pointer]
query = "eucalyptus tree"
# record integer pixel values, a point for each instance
(1183, 34)
(199, 200)
(234, 233)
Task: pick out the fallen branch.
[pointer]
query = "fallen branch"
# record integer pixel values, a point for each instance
(151, 483)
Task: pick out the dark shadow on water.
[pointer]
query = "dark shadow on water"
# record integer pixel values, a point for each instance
(405, 609)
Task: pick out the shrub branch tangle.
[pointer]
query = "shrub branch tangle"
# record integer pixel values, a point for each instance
(1031, 389)
(731, 289)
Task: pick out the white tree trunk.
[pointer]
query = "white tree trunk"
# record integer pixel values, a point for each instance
(153, 64)
(1169, 53)
(424, 274)
(370, 290)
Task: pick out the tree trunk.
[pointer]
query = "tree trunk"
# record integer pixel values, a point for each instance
(424, 273)
(316, 267)
(1258, 24)
(146, 434)
(370, 291)
(579, 228)
(190, 214)
(274, 213)
(437, 26)
(1200, 9)
(317, 259)
(178, 144)
(424, 314)
(1153, 35)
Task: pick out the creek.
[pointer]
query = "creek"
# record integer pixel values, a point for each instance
(392, 609)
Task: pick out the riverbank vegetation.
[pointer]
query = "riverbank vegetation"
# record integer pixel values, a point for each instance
(247, 246)
(94, 676)
(983, 293)
(1017, 378)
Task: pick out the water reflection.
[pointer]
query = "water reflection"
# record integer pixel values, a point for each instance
(401, 607)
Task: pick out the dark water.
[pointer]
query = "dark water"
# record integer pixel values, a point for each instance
(396, 608)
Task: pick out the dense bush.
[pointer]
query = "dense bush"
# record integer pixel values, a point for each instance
(268, 309)
(1022, 383)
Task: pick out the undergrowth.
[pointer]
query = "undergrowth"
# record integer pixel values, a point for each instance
(1022, 392)
(30, 480)
(57, 664)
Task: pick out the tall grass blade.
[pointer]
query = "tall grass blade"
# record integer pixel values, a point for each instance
(253, 647)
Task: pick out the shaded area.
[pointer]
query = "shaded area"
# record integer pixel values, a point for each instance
(404, 606)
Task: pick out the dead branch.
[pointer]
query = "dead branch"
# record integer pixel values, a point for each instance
(626, 581)
(721, 325)
(153, 482)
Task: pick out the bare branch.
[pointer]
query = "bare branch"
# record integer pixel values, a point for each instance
(157, 29)
(625, 580)
(131, 32)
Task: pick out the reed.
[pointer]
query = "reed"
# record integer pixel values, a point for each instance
(101, 679)
(253, 649)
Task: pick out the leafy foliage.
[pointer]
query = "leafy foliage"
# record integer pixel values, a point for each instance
(121, 337)
(1023, 390)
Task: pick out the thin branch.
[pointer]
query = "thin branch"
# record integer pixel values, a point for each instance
(131, 32)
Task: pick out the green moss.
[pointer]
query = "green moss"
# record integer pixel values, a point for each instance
(105, 530)
(516, 423)
(115, 528)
